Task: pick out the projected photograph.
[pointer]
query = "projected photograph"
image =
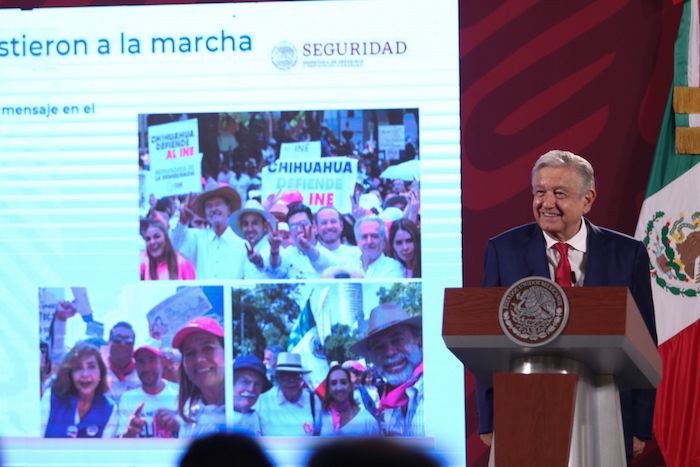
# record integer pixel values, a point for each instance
(155, 371)
(280, 195)
(328, 359)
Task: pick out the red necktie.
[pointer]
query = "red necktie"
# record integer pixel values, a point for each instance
(562, 275)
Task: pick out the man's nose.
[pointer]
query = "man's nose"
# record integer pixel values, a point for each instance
(548, 199)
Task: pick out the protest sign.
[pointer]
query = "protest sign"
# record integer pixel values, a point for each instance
(326, 181)
(48, 300)
(175, 158)
(302, 149)
(392, 139)
(166, 318)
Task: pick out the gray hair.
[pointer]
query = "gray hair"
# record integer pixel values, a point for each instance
(557, 158)
(377, 219)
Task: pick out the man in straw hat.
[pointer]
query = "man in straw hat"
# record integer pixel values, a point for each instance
(290, 409)
(217, 252)
(394, 344)
(253, 223)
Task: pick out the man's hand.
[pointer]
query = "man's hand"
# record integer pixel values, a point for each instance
(486, 438)
(275, 239)
(187, 209)
(253, 255)
(305, 244)
(637, 446)
(136, 423)
(167, 420)
(65, 310)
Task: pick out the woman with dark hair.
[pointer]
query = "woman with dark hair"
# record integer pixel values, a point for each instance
(201, 401)
(404, 245)
(76, 405)
(342, 415)
(160, 261)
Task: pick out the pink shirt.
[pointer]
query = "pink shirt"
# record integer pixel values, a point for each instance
(185, 269)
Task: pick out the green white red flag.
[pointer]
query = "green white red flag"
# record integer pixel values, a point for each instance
(669, 225)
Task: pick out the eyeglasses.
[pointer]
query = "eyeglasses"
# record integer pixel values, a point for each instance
(299, 225)
(119, 339)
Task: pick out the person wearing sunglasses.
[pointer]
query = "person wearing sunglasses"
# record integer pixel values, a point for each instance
(121, 369)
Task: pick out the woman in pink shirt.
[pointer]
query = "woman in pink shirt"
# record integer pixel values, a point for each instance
(160, 261)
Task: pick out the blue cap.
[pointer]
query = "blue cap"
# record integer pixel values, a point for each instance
(253, 363)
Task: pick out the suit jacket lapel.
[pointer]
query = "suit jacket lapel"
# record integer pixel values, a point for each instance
(595, 257)
(537, 254)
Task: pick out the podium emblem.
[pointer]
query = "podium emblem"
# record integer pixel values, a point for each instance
(533, 311)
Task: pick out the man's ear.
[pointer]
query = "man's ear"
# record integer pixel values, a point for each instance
(588, 200)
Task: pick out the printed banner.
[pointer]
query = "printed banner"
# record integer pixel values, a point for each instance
(175, 158)
(328, 181)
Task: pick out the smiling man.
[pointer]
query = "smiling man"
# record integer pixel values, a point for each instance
(138, 407)
(303, 259)
(291, 409)
(121, 371)
(216, 252)
(329, 225)
(249, 381)
(394, 344)
(564, 246)
(370, 233)
(253, 224)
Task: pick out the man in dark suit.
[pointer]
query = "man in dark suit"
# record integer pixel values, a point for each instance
(563, 189)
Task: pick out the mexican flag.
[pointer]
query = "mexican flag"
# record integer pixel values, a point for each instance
(669, 226)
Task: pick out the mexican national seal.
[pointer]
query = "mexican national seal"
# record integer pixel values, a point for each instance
(533, 311)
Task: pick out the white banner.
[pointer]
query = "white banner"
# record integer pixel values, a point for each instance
(327, 181)
(176, 163)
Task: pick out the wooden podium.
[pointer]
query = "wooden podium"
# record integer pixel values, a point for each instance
(558, 404)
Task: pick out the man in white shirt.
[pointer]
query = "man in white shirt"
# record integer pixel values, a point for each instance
(303, 259)
(249, 381)
(329, 226)
(138, 407)
(394, 344)
(216, 252)
(370, 233)
(291, 409)
(253, 223)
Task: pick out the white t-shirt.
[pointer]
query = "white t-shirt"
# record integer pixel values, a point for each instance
(207, 419)
(166, 399)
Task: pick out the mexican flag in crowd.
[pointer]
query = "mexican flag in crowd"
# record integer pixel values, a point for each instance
(669, 225)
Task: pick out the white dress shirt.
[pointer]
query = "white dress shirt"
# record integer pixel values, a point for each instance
(577, 254)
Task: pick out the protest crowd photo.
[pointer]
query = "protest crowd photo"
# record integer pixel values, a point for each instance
(280, 195)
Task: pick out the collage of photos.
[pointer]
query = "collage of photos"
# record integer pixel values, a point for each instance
(260, 209)
(313, 358)
(280, 195)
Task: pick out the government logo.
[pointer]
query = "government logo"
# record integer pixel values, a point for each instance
(533, 311)
(284, 55)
